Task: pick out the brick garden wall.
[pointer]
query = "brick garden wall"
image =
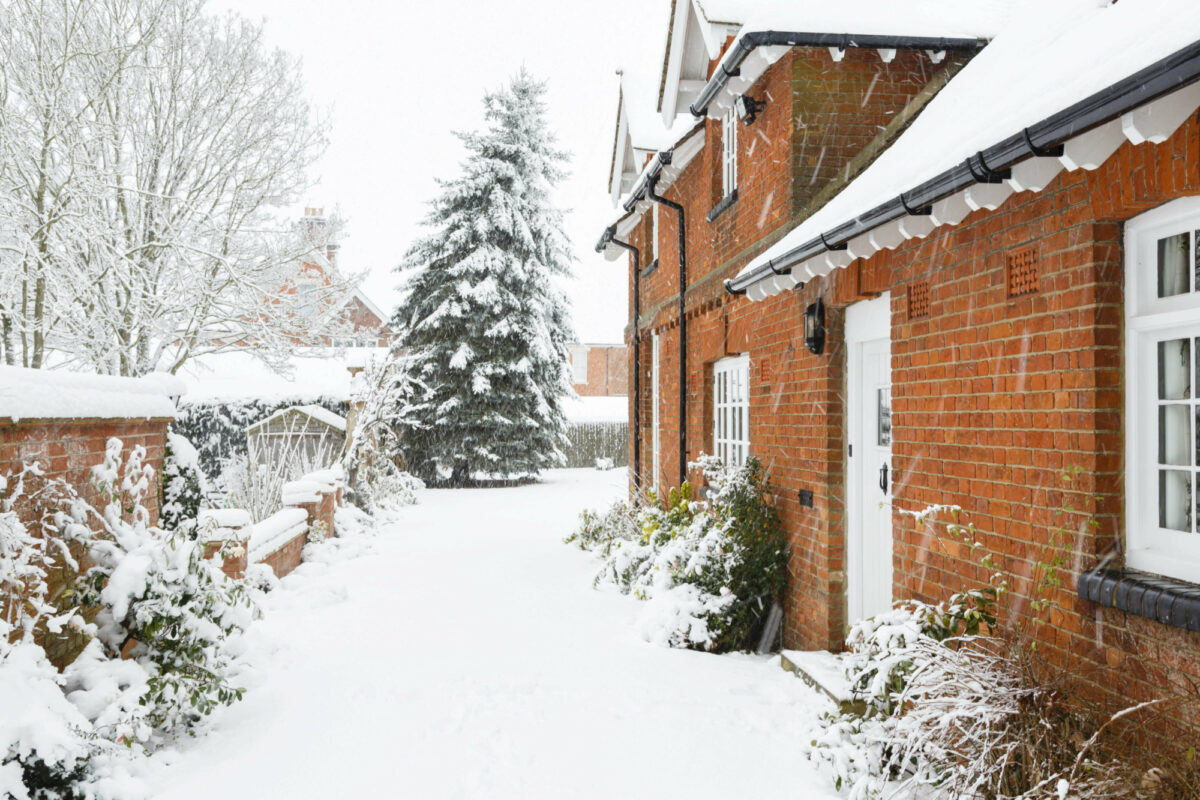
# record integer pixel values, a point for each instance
(67, 450)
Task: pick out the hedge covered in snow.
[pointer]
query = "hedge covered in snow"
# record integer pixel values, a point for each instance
(217, 428)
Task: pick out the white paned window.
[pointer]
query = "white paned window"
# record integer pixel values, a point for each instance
(729, 129)
(579, 358)
(731, 409)
(1162, 413)
(655, 392)
(654, 232)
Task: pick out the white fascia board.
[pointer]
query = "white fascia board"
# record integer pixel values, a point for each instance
(714, 33)
(674, 61)
(623, 146)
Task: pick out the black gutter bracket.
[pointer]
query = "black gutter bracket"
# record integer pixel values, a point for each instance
(982, 173)
(1053, 151)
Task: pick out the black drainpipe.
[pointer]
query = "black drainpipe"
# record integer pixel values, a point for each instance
(609, 237)
(678, 209)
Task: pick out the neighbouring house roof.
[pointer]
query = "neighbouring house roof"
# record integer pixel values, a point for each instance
(312, 373)
(361, 297)
(597, 409)
(318, 413)
(59, 394)
(1048, 58)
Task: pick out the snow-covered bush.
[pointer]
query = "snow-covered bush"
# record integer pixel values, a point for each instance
(183, 484)
(160, 601)
(317, 532)
(709, 570)
(388, 396)
(954, 709)
(384, 488)
(43, 738)
(603, 464)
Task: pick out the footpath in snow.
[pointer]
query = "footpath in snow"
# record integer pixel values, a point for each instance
(463, 653)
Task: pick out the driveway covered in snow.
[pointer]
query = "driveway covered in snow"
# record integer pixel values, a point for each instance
(463, 653)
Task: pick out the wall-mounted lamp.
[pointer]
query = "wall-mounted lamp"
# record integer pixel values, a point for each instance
(747, 108)
(814, 326)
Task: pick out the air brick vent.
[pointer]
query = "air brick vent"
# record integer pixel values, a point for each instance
(918, 299)
(1022, 268)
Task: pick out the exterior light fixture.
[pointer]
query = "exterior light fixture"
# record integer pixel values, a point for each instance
(814, 327)
(747, 108)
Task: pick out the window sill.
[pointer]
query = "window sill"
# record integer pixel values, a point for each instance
(653, 265)
(1167, 600)
(722, 206)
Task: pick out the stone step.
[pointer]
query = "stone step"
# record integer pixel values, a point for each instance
(823, 671)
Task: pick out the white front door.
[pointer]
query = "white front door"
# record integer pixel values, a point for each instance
(869, 458)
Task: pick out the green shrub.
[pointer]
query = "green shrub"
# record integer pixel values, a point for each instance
(710, 570)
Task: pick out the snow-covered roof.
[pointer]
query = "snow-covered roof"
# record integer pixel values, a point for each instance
(319, 413)
(597, 409)
(700, 29)
(682, 153)
(1048, 57)
(58, 394)
(313, 372)
(640, 131)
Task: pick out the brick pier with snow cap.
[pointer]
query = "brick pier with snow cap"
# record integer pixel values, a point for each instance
(278, 541)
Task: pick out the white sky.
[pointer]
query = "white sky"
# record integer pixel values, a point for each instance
(398, 76)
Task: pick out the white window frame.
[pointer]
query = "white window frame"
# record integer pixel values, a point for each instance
(655, 391)
(729, 152)
(1148, 321)
(579, 365)
(731, 409)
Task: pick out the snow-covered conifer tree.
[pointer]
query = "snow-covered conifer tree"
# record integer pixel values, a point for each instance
(483, 320)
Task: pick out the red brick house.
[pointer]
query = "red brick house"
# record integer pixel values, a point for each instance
(355, 321)
(989, 226)
(600, 370)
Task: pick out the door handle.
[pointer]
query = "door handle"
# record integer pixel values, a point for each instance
(883, 478)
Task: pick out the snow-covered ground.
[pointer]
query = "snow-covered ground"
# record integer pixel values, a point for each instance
(463, 653)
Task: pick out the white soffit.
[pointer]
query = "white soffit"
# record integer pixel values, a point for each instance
(1151, 123)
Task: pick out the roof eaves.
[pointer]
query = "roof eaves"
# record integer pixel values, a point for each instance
(1045, 138)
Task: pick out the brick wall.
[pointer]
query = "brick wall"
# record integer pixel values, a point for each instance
(67, 450)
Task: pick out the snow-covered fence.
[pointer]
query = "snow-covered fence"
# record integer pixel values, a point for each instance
(593, 440)
(597, 428)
